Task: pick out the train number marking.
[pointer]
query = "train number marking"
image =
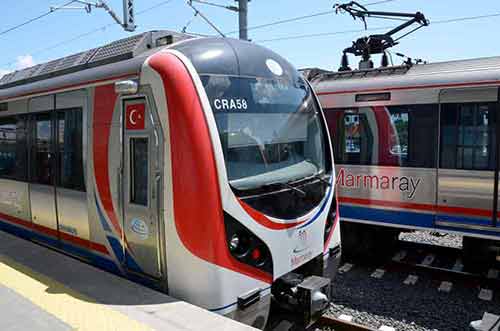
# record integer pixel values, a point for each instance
(230, 104)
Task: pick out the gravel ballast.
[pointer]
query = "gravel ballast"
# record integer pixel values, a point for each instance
(388, 301)
(433, 238)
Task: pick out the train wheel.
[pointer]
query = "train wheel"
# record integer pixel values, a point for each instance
(477, 253)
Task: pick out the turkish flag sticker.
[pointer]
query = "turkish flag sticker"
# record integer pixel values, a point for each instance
(135, 116)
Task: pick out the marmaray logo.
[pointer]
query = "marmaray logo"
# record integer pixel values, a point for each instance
(406, 184)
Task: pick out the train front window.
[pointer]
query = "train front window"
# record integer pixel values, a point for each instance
(270, 130)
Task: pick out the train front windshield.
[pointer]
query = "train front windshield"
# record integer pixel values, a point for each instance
(270, 130)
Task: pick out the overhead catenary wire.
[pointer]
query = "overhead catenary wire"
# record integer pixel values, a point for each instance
(300, 18)
(34, 19)
(285, 38)
(162, 3)
(326, 34)
(208, 21)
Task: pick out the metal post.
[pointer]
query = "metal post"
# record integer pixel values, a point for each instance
(243, 18)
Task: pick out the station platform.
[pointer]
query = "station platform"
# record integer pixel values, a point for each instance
(44, 290)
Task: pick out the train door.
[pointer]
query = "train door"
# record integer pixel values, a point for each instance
(70, 154)
(141, 183)
(468, 158)
(42, 165)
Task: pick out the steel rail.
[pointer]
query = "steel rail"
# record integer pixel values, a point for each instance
(340, 325)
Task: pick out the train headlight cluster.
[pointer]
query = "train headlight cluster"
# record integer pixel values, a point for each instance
(247, 247)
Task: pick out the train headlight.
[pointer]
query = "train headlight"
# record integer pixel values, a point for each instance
(234, 243)
(239, 244)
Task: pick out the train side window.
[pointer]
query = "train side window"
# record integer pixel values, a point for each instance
(41, 156)
(70, 149)
(139, 171)
(468, 136)
(385, 135)
(413, 134)
(13, 155)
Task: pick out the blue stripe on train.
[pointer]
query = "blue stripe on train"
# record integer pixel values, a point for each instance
(407, 218)
(387, 216)
(94, 259)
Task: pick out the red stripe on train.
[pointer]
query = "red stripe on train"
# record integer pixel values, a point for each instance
(54, 233)
(418, 206)
(104, 106)
(197, 201)
(265, 221)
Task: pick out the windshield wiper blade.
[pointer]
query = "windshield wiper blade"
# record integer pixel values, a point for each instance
(288, 186)
(319, 176)
(298, 190)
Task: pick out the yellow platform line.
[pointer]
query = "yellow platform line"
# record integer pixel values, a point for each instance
(73, 308)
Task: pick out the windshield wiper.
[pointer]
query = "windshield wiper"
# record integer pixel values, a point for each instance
(288, 186)
(319, 176)
(298, 190)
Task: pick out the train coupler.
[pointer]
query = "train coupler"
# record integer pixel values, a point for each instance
(307, 298)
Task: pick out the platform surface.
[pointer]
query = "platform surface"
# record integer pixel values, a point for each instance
(41, 289)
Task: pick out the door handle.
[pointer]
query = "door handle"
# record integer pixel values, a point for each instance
(119, 187)
(157, 188)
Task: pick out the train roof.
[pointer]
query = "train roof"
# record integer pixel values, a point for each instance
(123, 59)
(124, 56)
(461, 72)
(116, 51)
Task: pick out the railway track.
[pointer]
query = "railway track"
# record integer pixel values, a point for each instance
(417, 286)
(338, 324)
(409, 270)
(443, 263)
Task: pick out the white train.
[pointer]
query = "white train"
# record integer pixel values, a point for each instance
(198, 166)
(416, 147)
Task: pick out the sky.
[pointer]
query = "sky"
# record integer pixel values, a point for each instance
(66, 32)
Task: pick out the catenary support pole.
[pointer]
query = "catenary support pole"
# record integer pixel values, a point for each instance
(243, 18)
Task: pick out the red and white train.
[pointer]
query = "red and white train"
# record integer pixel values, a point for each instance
(199, 166)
